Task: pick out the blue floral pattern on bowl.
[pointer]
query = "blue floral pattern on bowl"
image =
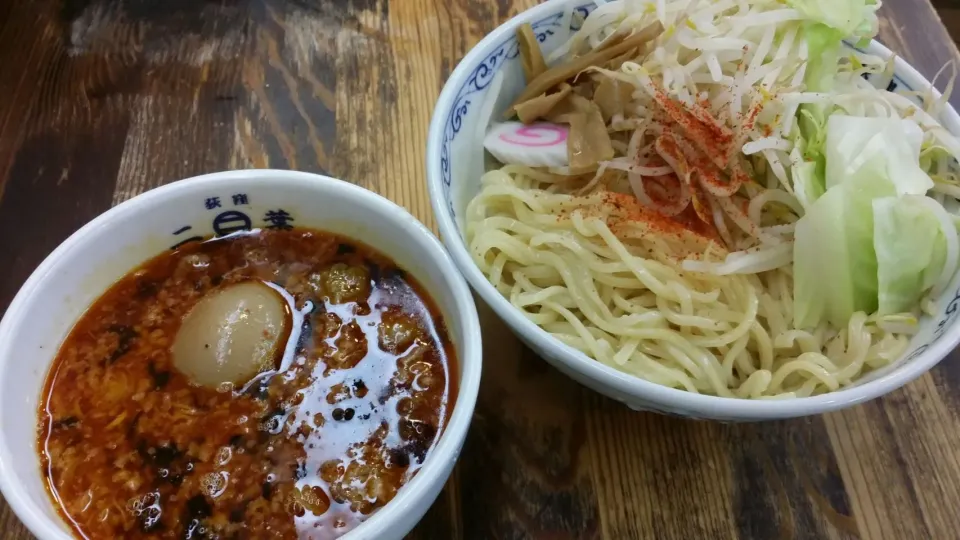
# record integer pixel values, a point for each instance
(482, 76)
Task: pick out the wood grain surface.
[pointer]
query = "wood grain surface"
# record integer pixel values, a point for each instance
(103, 99)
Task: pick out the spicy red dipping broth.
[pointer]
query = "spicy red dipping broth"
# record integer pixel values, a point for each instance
(131, 447)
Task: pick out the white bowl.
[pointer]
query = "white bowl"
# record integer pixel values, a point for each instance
(453, 174)
(96, 256)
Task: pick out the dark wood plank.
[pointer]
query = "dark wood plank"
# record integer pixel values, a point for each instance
(54, 184)
(525, 471)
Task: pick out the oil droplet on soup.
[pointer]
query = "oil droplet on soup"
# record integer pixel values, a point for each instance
(328, 379)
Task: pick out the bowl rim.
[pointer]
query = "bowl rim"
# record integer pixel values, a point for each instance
(568, 358)
(469, 357)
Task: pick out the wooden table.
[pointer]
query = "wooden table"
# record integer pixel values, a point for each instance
(103, 99)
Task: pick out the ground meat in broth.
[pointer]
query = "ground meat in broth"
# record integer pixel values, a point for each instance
(132, 449)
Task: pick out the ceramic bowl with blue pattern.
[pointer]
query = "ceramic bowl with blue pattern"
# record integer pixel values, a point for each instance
(454, 168)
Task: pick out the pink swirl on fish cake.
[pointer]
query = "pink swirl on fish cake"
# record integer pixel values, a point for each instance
(536, 135)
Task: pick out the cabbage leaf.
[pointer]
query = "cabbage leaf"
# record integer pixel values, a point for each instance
(883, 148)
(808, 183)
(827, 24)
(911, 251)
(836, 264)
(850, 17)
